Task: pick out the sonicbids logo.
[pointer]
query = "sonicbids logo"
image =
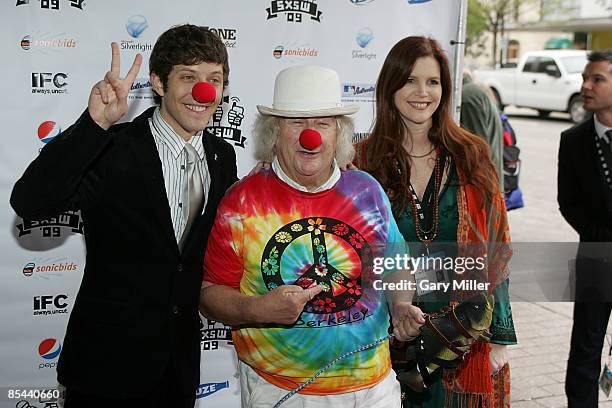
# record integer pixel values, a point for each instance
(294, 52)
(49, 269)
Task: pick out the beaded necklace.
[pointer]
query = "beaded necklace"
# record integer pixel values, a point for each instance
(427, 236)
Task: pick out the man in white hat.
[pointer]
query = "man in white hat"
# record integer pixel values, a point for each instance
(290, 260)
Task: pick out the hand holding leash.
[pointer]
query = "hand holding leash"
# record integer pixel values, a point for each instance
(407, 320)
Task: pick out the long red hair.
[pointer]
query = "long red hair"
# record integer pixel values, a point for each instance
(382, 153)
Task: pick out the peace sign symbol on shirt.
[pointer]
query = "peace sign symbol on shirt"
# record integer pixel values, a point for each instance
(306, 245)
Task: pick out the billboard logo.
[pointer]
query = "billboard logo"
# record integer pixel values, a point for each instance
(52, 227)
(55, 42)
(25, 42)
(53, 4)
(141, 89)
(364, 37)
(212, 333)
(278, 52)
(227, 119)
(28, 270)
(48, 83)
(294, 10)
(136, 25)
(294, 54)
(49, 349)
(204, 390)
(358, 90)
(55, 268)
(48, 130)
(227, 35)
(352, 92)
(50, 305)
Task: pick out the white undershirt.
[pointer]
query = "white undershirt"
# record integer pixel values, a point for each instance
(601, 130)
(276, 167)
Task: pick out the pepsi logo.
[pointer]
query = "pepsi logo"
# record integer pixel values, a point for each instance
(48, 130)
(49, 349)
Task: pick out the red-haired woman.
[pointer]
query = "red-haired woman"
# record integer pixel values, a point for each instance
(443, 189)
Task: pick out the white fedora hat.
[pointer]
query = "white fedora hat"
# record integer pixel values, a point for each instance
(307, 91)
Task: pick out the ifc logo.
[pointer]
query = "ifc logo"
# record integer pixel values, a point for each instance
(364, 37)
(136, 25)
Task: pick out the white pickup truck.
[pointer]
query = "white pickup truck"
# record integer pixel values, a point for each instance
(543, 80)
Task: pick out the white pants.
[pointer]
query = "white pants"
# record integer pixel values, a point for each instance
(256, 392)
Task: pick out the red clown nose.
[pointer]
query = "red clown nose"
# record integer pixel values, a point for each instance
(310, 139)
(203, 92)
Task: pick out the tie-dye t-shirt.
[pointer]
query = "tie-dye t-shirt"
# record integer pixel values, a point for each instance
(268, 234)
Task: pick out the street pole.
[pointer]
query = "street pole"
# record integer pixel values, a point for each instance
(459, 44)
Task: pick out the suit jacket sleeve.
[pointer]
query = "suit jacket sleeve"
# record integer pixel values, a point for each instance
(58, 180)
(571, 196)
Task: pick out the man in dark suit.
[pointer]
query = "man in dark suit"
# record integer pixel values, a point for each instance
(585, 200)
(148, 191)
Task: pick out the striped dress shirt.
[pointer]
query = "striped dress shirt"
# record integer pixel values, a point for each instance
(171, 149)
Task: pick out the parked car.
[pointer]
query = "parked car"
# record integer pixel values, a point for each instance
(544, 80)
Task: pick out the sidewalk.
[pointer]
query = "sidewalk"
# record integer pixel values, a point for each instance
(538, 362)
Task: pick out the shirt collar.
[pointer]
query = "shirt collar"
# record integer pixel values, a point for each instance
(276, 167)
(164, 133)
(601, 129)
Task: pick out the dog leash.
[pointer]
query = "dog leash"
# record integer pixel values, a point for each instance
(331, 363)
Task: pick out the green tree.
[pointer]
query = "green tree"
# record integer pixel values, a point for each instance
(492, 16)
(489, 16)
(476, 27)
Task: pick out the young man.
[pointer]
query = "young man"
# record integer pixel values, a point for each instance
(148, 191)
(585, 200)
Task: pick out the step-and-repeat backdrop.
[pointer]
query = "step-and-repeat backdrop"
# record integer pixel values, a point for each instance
(53, 51)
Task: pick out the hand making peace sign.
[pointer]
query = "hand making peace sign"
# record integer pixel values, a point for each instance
(108, 98)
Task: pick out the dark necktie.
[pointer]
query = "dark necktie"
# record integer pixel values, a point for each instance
(607, 139)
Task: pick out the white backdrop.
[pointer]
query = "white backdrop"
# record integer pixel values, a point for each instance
(55, 50)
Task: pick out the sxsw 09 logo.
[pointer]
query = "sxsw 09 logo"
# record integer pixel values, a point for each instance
(52, 4)
(294, 10)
